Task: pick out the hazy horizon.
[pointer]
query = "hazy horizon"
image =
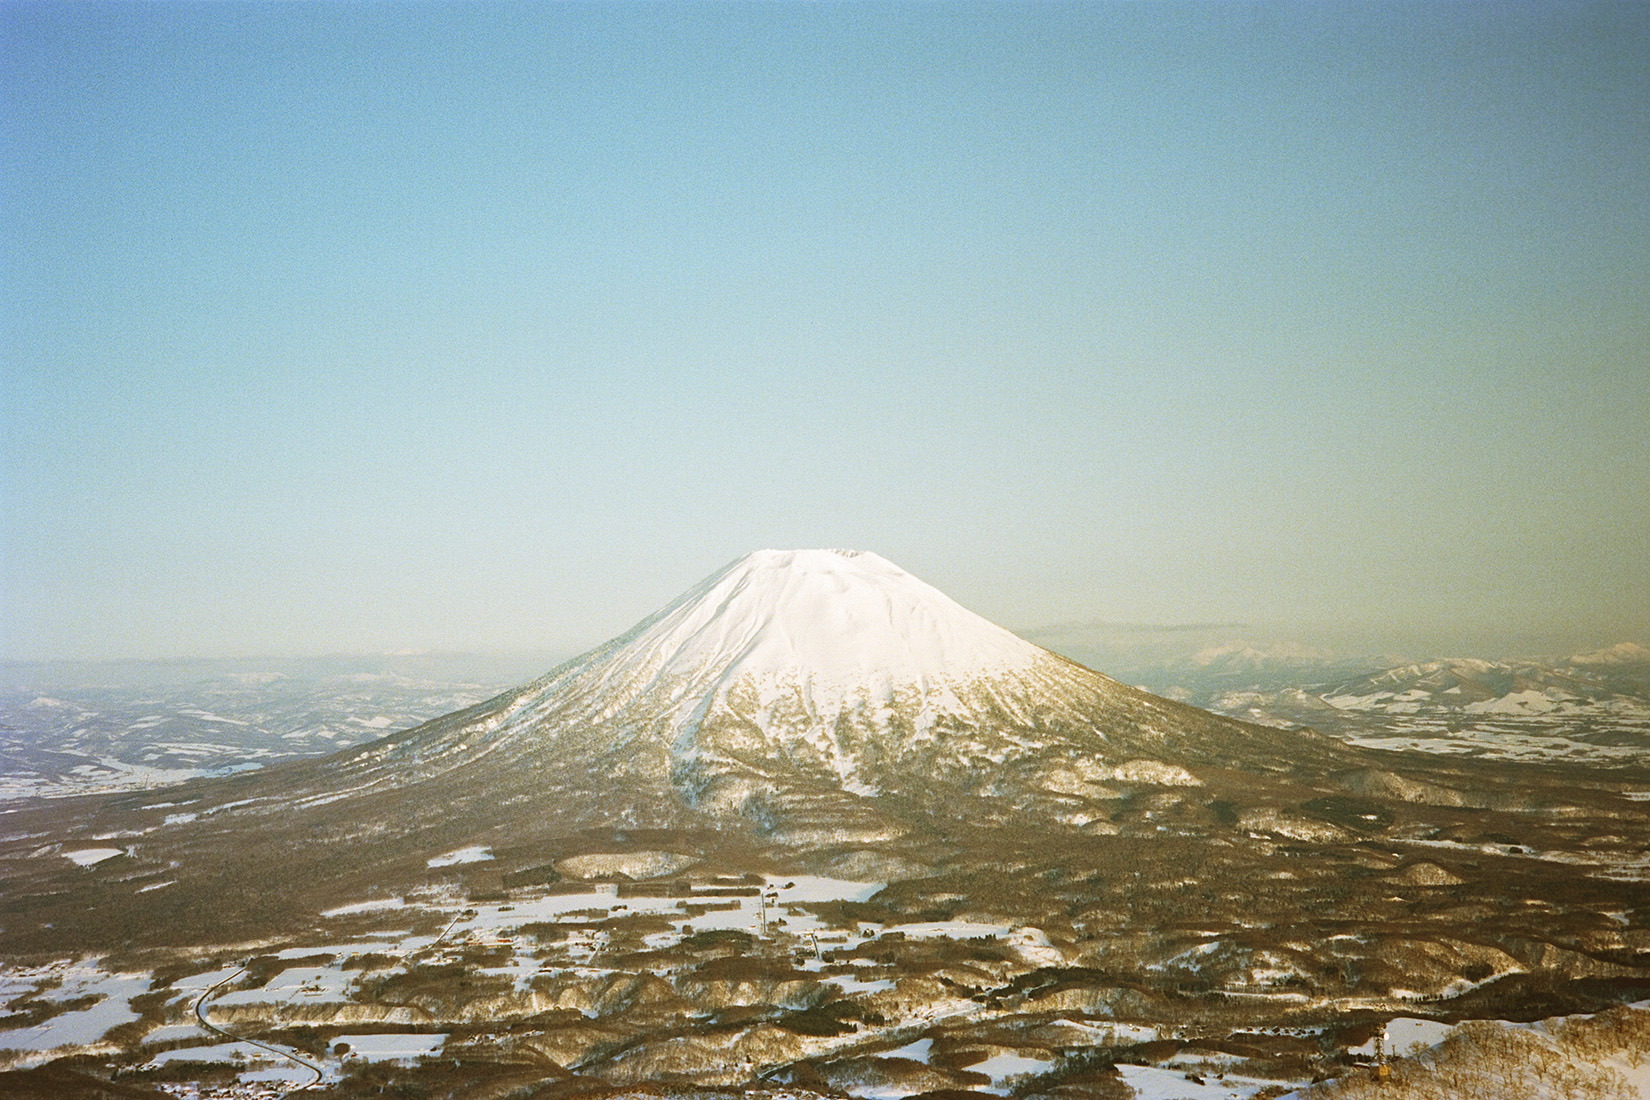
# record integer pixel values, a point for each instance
(349, 329)
(1121, 648)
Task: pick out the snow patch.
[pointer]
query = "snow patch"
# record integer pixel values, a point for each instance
(388, 1048)
(86, 857)
(475, 853)
(86, 1026)
(366, 907)
(1003, 1067)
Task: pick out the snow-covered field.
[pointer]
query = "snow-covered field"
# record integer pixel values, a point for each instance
(83, 1027)
(476, 853)
(321, 974)
(388, 1048)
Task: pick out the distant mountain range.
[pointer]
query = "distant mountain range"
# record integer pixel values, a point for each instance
(1590, 706)
(73, 728)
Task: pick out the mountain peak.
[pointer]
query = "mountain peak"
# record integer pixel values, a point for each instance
(816, 694)
(829, 617)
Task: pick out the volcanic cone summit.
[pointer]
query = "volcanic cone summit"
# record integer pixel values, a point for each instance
(841, 619)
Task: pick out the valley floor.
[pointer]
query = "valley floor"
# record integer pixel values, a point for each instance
(785, 984)
(1473, 917)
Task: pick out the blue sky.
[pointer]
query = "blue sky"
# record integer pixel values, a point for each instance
(363, 327)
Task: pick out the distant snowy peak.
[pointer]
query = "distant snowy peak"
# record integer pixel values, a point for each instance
(828, 617)
(815, 661)
(1476, 686)
(1623, 653)
(1460, 667)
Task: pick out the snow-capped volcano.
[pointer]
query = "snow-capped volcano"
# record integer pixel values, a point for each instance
(795, 641)
(796, 707)
(837, 621)
(806, 690)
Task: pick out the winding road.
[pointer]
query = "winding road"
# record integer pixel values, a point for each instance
(200, 1014)
(320, 1075)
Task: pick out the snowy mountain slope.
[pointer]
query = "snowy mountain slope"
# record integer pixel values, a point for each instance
(810, 691)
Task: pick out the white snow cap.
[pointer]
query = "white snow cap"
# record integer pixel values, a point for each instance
(843, 616)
